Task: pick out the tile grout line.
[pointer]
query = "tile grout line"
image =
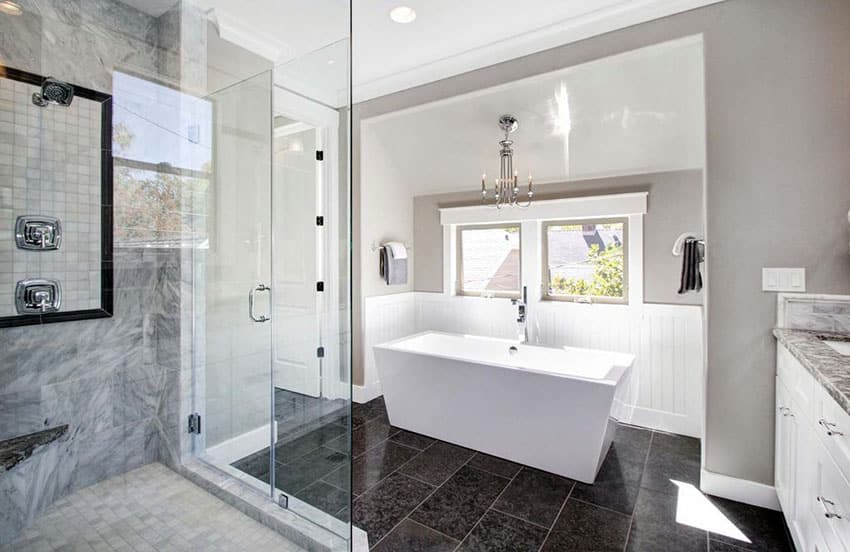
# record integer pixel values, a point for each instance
(645, 464)
(495, 500)
(436, 488)
(557, 517)
(494, 509)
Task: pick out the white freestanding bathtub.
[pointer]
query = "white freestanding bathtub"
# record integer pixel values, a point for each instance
(548, 408)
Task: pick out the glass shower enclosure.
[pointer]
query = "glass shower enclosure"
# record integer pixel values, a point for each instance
(174, 193)
(271, 316)
(269, 278)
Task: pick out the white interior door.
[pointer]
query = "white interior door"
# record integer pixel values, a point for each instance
(304, 186)
(297, 252)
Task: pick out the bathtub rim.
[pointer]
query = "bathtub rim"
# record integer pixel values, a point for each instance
(613, 377)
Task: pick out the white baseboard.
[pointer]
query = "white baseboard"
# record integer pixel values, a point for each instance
(739, 490)
(241, 446)
(365, 393)
(664, 421)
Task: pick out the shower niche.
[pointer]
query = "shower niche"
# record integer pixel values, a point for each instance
(55, 200)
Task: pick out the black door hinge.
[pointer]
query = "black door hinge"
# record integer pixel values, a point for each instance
(320, 221)
(320, 155)
(320, 286)
(195, 423)
(320, 352)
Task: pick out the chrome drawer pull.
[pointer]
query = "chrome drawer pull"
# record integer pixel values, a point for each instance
(828, 426)
(826, 504)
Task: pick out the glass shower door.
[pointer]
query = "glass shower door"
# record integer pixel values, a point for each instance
(232, 288)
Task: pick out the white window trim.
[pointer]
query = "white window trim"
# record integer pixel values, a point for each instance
(631, 206)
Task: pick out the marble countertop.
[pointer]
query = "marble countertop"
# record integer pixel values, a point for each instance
(830, 368)
(17, 449)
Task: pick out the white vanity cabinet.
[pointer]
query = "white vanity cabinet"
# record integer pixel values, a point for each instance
(812, 459)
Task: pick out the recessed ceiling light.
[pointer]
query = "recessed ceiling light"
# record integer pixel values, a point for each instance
(10, 8)
(403, 14)
(331, 61)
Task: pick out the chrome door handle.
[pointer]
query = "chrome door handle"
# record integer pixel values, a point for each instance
(826, 511)
(261, 318)
(828, 426)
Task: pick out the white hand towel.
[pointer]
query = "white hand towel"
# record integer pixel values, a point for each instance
(399, 250)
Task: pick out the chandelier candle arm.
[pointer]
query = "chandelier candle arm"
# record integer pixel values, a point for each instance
(506, 185)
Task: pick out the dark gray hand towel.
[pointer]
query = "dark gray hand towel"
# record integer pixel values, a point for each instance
(691, 278)
(393, 271)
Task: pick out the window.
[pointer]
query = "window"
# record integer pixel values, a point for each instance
(586, 259)
(162, 148)
(489, 260)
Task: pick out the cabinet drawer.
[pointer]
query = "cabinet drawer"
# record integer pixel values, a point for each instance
(832, 425)
(830, 502)
(799, 382)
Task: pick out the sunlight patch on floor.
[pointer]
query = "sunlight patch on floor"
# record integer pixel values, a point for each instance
(695, 510)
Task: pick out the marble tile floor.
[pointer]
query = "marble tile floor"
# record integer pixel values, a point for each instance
(148, 509)
(414, 493)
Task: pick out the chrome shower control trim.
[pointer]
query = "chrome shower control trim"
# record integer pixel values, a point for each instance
(38, 296)
(38, 233)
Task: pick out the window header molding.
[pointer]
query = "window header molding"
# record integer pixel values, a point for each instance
(598, 206)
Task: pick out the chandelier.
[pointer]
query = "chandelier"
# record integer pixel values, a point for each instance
(506, 186)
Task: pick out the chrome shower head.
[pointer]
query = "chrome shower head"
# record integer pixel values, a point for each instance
(54, 92)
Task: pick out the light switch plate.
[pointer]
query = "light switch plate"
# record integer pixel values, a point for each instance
(783, 279)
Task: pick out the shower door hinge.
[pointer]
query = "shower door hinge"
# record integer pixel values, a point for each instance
(195, 423)
(320, 221)
(283, 501)
(320, 155)
(320, 352)
(320, 286)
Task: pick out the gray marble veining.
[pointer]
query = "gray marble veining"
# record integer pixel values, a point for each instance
(830, 368)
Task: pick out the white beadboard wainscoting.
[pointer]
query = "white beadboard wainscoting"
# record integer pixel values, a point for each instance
(665, 339)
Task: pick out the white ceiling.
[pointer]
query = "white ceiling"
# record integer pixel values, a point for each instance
(448, 37)
(638, 112)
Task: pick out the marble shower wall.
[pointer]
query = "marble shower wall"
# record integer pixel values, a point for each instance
(116, 381)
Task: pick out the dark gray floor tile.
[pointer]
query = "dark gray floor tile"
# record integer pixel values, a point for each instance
(662, 469)
(654, 526)
(472, 481)
(325, 497)
(679, 445)
(340, 478)
(367, 412)
(616, 486)
(410, 536)
(535, 496)
(449, 513)
(717, 546)
(257, 464)
(497, 532)
(410, 439)
(364, 437)
(291, 477)
(764, 528)
(631, 444)
(296, 448)
(495, 465)
(381, 508)
(456, 506)
(378, 463)
(583, 527)
(437, 463)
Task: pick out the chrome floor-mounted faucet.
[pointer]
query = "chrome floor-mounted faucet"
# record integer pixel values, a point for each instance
(522, 315)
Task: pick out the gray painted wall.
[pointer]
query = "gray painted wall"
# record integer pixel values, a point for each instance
(675, 206)
(778, 182)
